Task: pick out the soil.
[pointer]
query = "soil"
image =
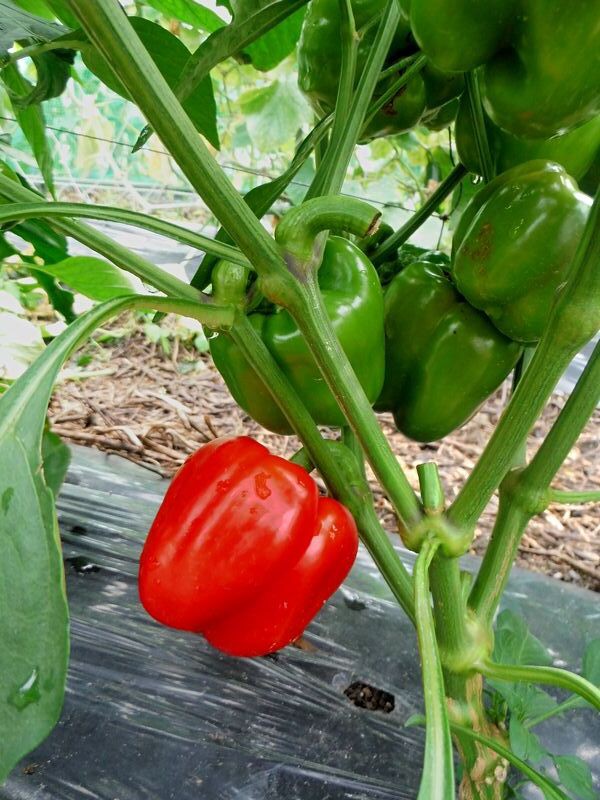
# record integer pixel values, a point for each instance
(155, 409)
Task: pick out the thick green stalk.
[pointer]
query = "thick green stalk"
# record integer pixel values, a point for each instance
(550, 676)
(525, 492)
(573, 321)
(352, 493)
(437, 781)
(500, 555)
(473, 95)
(109, 30)
(403, 234)
(299, 234)
(450, 613)
(332, 171)
(43, 209)
(104, 245)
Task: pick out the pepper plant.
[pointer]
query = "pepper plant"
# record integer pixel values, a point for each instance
(295, 314)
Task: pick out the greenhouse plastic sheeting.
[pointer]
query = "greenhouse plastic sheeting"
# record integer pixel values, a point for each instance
(156, 713)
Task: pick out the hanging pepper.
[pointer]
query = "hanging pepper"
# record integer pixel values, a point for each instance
(354, 301)
(540, 58)
(514, 244)
(319, 67)
(243, 550)
(443, 358)
(574, 150)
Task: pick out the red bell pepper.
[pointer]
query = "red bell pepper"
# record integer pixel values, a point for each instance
(243, 549)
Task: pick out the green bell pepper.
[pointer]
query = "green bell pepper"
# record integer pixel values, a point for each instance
(514, 244)
(443, 358)
(319, 65)
(354, 301)
(541, 58)
(574, 150)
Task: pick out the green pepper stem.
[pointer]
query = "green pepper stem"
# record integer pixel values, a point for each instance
(437, 782)
(375, 538)
(332, 171)
(526, 492)
(300, 227)
(312, 319)
(102, 244)
(550, 676)
(43, 209)
(473, 95)
(403, 234)
(349, 51)
(432, 491)
(560, 496)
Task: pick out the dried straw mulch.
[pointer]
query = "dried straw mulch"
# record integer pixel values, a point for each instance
(155, 409)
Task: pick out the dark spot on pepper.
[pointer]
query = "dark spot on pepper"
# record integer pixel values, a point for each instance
(480, 246)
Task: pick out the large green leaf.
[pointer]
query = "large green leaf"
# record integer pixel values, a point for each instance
(93, 277)
(250, 23)
(31, 120)
(33, 606)
(171, 56)
(274, 114)
(56, 457)
(190, 12)
(18, 24)
(275, 45)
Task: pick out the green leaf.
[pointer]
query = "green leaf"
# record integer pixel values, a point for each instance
(590, 669)
(37, 7)
(188, 12)
(31, 120)
(514, 644)
(93, 277)
(575, 776)
(275, 45)
(274, 114)
(33, 606)
(53, 73)
(524, 700)
(17, 24)
(591, 662)
(48, 245)
(171, 57)
(56, 457)
(61, 299)
(524, 743)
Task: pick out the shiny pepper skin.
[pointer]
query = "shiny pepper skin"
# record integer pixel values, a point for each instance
(243, 550)
(443, 357)
(319, 65)
(574, 150)
(514, 245)
(540, 58)
(354, 301)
